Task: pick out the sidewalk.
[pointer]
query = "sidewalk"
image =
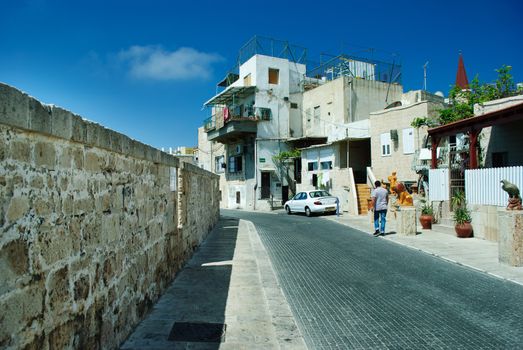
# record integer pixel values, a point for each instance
(229, 280)
(475, 253)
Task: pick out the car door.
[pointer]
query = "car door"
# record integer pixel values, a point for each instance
(299, 203)
(292, 202)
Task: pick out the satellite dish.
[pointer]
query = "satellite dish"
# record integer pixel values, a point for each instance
(439, 93)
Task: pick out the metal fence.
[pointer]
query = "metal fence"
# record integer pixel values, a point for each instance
(260, 45)
(482, 186)
(357, 67)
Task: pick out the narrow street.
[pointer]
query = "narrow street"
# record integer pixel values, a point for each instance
(350, 290)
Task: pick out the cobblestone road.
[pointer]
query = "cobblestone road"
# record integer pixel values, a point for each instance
(349, 290)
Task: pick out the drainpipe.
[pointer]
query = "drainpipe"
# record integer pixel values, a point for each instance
(255, 172)
(350, 100)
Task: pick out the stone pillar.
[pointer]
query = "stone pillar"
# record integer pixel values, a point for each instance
(406, 221)
(510, 244)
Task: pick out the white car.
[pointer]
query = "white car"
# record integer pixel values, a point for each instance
(309, 202)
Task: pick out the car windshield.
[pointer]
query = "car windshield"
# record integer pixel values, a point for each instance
(317, 194)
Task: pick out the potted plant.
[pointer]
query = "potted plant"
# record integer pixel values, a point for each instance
(461, 216)
(427, 215)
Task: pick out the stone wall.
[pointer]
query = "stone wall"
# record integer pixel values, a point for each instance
(93, 226)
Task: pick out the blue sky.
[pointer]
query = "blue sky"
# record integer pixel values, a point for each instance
(144, 68)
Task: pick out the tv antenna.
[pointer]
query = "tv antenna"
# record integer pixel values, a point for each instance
(425, 75)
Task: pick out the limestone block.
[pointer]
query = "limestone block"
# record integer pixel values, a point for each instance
(92, 162)
(116, 141)
(14, 107)
(104, 138)
(39, 117)
(45, 155)
(21, 150)
(78, 158)
(406, 221)
(81, 287)
(110, 228)
(92, 132)
(55, 244)
(510, 243)
(21, 307)
(78, 129)
(63, 336)
(62, 121)
(58, 297)
(18, 207)
(14, 263)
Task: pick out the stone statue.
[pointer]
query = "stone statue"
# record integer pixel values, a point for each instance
(393, 180)
(404, 198)
(514, 200)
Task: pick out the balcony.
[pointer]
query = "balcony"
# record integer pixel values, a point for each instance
(209, 124)
(234, 122)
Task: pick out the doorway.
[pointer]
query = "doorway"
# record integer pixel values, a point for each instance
(265, 184)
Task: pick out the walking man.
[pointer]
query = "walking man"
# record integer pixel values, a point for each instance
(380, 201)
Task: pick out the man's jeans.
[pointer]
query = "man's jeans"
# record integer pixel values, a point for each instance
(380, 215)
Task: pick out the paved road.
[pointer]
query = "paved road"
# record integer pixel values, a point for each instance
(350, 290)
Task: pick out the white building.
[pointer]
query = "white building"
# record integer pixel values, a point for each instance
(252, 118)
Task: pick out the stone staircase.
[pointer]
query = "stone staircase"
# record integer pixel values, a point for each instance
(363, 192)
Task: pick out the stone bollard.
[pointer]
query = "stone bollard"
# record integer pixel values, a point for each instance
(510, 244)
(406, 221)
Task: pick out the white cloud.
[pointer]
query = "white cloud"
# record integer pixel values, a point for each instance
(154, 63)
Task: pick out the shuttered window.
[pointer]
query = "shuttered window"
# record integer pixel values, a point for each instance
(408, 141)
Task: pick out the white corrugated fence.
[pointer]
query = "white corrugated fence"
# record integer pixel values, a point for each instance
(482, 186)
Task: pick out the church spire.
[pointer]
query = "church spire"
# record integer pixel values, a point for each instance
(461, 76)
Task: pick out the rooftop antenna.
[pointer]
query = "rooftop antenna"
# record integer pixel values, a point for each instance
(425, 75)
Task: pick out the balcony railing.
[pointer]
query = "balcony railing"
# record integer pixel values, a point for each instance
(209, 124)
(237, 113)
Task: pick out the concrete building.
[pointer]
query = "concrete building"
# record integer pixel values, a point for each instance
(395, 144)
(252, 118)
(339, 111)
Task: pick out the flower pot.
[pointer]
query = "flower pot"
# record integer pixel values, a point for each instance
(463, 230)
(426, 221)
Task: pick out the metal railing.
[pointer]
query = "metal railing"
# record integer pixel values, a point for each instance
(209, 124)
(238, 113)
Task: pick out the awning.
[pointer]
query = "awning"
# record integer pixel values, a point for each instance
(228, 94)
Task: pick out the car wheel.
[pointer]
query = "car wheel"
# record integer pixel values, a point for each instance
(288, 210)
(308, 211)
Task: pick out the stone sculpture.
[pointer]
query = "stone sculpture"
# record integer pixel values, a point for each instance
(393, 180)
(514, 199)
(404, 198)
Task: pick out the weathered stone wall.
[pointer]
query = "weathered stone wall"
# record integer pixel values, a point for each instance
(92, 226)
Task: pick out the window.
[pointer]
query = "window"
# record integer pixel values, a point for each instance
(235, 164)
(408, 141)
(219, 164)
(274, 76)
(326, 165)
(247, 80)
(311, 166)
(385, 144)
(294, 105)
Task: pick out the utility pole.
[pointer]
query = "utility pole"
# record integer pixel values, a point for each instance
(425, 75)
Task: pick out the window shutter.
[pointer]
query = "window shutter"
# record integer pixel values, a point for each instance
(408, 141)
